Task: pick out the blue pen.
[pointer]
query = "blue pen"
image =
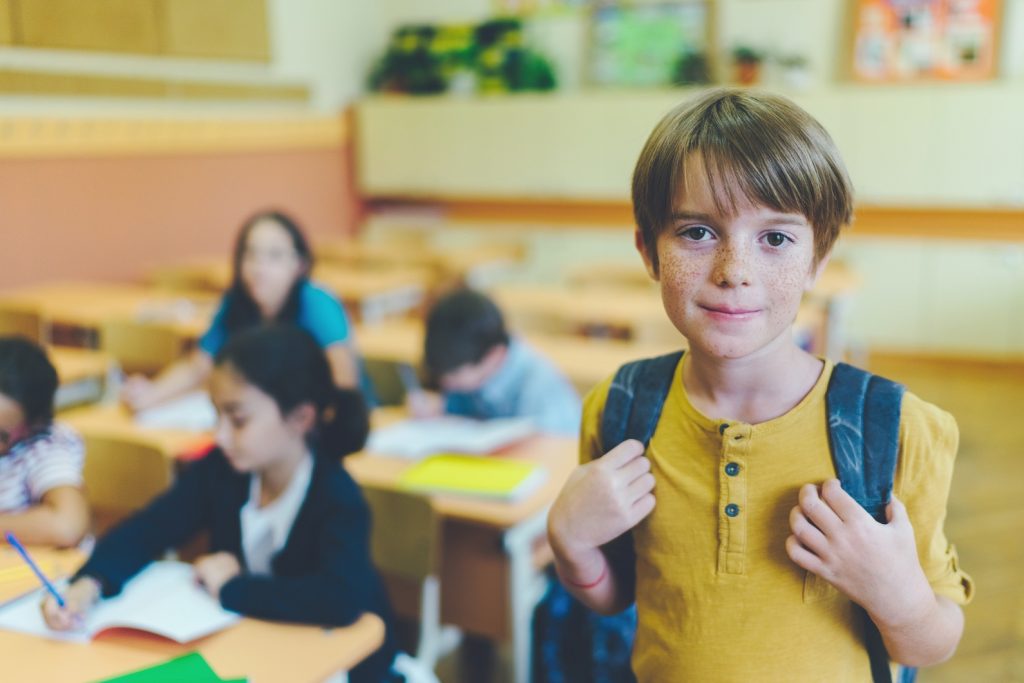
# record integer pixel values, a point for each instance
(42, 577)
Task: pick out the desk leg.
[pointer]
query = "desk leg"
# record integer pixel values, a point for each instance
(525, 589)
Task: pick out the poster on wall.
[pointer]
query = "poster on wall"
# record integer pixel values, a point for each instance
(649, 44)
(902, 40)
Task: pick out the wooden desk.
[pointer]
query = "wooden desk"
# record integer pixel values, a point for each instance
(368, 294)
(493, 552)
(112, 420)
(75, 311)
(84, 375)
(266, 652)
(373, 295)
(468, 264)
(584, 360)
(17, 579)
(634, 314)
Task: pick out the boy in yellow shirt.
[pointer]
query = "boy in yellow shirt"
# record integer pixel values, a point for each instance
(748, 560)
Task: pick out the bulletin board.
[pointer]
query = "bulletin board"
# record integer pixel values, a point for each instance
(913, 40)
(641, 44)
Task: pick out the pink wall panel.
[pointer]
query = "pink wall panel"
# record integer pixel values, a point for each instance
(114, 218)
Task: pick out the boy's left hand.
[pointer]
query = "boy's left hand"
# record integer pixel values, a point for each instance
(213, 571)
(874, 564)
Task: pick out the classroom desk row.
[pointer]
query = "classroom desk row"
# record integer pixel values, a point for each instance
(368, 294)
(584, 360)
(74, 312)
(84, 375)
(635, 316)
(262, 651)
(474, 264)
(493, 553)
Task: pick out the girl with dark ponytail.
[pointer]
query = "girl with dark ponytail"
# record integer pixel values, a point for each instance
(289, 529)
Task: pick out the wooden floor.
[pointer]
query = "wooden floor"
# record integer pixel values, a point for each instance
(986, 509)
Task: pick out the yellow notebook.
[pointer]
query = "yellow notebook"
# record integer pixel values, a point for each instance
(469, 475)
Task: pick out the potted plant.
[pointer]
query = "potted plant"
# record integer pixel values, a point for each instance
(796, 71)
(692, 68)
(747, 61)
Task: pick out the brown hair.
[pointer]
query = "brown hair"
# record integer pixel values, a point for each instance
(761, 147)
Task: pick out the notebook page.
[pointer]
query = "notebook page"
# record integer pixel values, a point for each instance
(192, 412)
(417, 438)
(163, 599)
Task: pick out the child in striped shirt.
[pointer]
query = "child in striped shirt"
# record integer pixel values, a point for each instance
(41, 497)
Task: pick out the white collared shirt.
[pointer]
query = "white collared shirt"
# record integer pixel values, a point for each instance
(265, 529)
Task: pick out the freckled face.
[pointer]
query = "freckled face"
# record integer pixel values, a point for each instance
(732, 284)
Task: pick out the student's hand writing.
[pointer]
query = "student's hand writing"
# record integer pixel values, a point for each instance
(875, 565)
(424, 404)
(135, 392)
(213, 571)
(603, 499)
(79, 598)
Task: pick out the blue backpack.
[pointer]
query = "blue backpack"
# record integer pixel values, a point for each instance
(863, 429)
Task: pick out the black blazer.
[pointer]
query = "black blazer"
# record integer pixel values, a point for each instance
(323, 575)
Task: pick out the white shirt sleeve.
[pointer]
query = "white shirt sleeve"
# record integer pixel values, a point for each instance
(54, 460)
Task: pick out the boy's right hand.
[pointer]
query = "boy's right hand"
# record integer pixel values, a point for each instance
(79, 598)
(603, 499)
(424, 404)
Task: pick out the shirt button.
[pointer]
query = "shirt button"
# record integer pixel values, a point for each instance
(722, 427)
(732, 469)
(732, 509)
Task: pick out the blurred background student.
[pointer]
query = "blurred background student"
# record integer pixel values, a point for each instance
(41, 498)
(272, 263)
(289, 529)
(484, 372)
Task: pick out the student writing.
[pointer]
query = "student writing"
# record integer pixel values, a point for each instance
(41, 497)
(288, 527)
(484, 372)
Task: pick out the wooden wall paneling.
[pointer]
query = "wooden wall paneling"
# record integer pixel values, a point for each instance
(126, 26)
(6, 23)
(220, 29)
(25, 82)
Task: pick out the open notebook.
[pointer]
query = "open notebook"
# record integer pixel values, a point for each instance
(450, 434)
(164, 599)
(192, 412)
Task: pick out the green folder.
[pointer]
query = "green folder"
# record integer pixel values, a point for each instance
(191, 667)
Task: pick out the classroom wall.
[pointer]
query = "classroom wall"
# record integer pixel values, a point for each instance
(326, 45)
(922, 144)
(106, 188)
(930, 145)
(329, 44)
(814, 28)
(115, 216)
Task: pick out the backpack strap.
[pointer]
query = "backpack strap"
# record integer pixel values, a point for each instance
(631, 411)
(635, 399)
(863, 433)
